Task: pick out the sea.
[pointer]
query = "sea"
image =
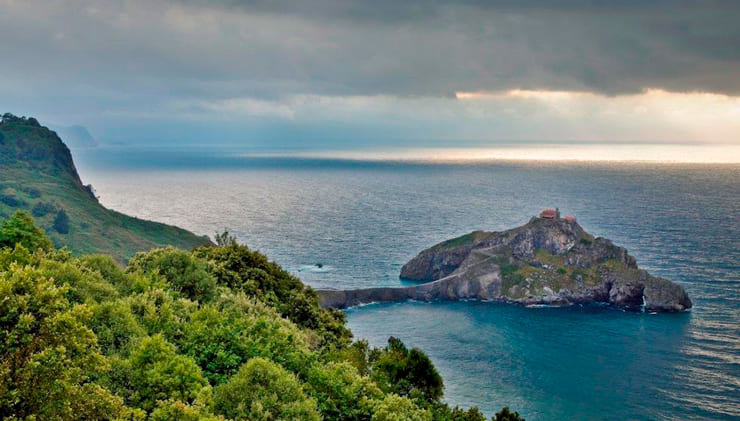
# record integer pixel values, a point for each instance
(352, 223)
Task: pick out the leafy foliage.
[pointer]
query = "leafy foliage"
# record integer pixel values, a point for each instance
(184, 272)
(204, 335)
(262, 390)
(21, 229)
(407, 372)
(61, 222)
(506, 415)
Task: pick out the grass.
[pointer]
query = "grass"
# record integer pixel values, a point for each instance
(36, 170)
(556, 275)
(464, 240)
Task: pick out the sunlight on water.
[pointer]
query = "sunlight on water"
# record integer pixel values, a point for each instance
(553, 152)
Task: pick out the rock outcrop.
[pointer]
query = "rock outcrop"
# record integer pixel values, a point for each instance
(546, 261)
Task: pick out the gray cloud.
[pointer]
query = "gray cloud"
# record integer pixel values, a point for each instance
(114, 59)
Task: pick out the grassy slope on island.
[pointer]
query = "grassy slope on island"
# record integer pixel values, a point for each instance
(37, 174)
(217, 333)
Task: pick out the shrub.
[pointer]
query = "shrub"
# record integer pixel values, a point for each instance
(49, 357)
(12, 201)
(262, 390)
(224, 335)
(398, 408)
(21, 229)
(506, 415)
(42, 209)
(186, 273)
(341, 392)
(157, 373)
(32, 192)
(408, 373)
(174, 410)
(61, 222)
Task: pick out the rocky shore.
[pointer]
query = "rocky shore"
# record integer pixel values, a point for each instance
(549, 261)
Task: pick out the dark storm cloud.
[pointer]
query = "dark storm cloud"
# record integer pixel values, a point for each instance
(148, 59)
(409, 47)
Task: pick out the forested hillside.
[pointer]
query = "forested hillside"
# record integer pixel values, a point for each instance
(217, 333)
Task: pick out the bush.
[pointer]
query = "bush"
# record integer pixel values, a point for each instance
(42, 209)
(186, 273)
(21, 229)
(408, 373)
(239, 268)
(506, 415)
(12, 201)
(48, 355)
(262, 390)
(341, 392)
(397, 408)
(157, 373)
(174, 410)
(61, 222)
(32, 192)
(224, 335)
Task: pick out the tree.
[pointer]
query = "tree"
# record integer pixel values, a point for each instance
(61, 222)
(506, 415)
(341, 392)
(174, 410)
(21, 229)
(159, 373)
(223, 335)
(408, 373)
(183, 271)
(262, 390)
(398, 408)
(50, 360)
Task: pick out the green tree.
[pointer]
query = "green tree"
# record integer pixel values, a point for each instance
(341, 393)
(48, 359)
(241, 269)
(157, 372)
(472, 414)
(506, 415)
(21, 229)
(262, 390)
(398, 408)
(408, 373)
(221, 336)
(174, 410)
(186, 273)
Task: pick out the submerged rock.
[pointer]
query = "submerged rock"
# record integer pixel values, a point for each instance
(546, 261)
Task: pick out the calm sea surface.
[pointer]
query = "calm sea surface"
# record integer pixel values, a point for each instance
(363, 220)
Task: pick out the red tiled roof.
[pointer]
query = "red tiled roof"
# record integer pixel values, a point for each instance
(547, 213)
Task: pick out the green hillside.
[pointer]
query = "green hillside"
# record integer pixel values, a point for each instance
(217, 333)
(37, 174)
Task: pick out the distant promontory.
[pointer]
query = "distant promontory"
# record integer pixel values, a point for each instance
(550, 260)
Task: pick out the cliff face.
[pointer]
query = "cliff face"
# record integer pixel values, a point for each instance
(546, 261)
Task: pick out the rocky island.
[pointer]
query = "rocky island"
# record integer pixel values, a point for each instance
(549, 260)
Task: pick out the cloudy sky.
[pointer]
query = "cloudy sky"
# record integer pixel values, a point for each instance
(331, 73)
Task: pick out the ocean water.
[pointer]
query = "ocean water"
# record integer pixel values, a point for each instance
(362, 220)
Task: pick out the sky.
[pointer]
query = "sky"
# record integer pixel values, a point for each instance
(385, 73)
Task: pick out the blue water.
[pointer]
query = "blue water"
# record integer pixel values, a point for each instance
(363, 220)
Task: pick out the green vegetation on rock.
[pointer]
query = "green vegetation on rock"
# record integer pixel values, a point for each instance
(218, 333)
(37, 174)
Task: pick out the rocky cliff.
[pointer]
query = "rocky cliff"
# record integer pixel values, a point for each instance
(546, 261)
